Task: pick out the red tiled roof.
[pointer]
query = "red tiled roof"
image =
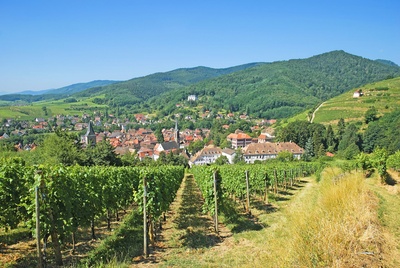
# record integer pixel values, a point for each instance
(238, 136)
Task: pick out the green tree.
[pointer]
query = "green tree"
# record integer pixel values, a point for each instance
(222, 160)
(159, 135)
(44, 109)
(162, 159)
(61, 148)
(285, 156)
(330, 139)
(349, 137)
(383, 133)
(351, 151)
(308, 150)
(341, 128)
(238, 159)
(130, 159)
(317, 140)
(102, 154)
(195, 146)
(371, 115)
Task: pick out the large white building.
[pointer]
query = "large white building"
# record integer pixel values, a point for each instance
(207, 155)
(269, 150)
(239, 140)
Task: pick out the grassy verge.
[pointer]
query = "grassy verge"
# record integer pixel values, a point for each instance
(121, 247)
(340, 229)
(389, 215)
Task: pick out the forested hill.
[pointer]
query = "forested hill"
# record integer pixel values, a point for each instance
(140, 89)
(281, 89)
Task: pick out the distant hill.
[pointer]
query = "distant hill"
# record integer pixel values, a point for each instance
(80, 87)
(282, 89)
(387, 62)
(31, 96)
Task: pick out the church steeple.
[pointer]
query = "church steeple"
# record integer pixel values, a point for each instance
(176, 132)
(90, 136)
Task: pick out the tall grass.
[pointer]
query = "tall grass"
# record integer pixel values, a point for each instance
(340, 229)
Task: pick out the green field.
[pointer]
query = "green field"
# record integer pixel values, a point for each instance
(53, 107)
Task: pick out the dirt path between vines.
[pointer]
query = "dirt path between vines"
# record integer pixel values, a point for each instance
(187, 228)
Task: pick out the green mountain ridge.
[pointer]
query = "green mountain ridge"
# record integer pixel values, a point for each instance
(281, 89)
(140, 89)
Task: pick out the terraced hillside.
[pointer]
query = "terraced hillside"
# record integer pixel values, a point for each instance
(383, 95)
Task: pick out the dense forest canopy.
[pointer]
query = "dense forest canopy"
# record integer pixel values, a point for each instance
(281, 89)
(140, 89)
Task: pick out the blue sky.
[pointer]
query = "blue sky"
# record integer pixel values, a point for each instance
(51, 44)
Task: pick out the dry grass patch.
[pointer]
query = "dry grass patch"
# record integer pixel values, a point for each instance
(341, 229)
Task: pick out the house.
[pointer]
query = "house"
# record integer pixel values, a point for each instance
(140, 118)
(269, 150)
(166, 147)
(18, 133)
(239, 140)
(80, 126)
(229, 153)
(145, 152)
(192, 98)
(207, 155)
(262, 138)
(121, 150)
(226, 127)
(358, 93)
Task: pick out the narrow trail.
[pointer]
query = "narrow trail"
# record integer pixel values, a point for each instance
(187, 229)
(313, 114)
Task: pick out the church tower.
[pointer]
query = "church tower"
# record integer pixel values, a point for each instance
(90, 136)
(176, 133)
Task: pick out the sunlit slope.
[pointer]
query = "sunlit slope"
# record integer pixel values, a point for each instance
(383, 95)
(50, 108)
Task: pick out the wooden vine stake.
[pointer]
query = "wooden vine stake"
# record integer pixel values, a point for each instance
(216, 203)
(247, 193)
(145, 241)
(276, 183)
(285, 179)
(38, 247)
(266, 190)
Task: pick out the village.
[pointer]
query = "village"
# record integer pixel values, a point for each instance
(143, 141)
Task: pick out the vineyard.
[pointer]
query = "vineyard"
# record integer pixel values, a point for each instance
(69, 198)
(238, 182)
(55, 204)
